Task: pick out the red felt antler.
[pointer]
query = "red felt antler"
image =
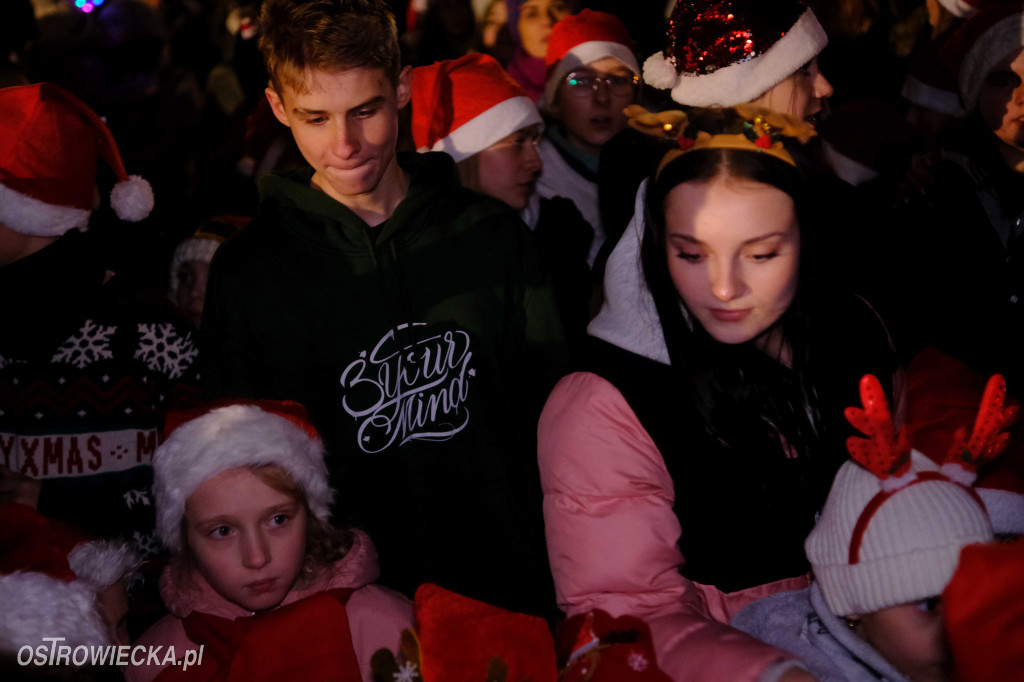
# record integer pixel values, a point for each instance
(884, 452)
(988, 438)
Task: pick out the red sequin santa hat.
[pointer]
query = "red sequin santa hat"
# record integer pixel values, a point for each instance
(727, 52)
(582, 38)
(51, 574)
(982, 42)
(48, 152)
(463, 106)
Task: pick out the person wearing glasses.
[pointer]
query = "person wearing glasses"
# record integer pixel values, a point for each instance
(475, 111)
(593, 75)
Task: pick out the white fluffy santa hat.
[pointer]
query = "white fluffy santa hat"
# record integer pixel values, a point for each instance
(48, 152)
(210, 440)
(50, 577)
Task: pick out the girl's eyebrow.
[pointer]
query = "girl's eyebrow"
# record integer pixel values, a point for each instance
(752, 240)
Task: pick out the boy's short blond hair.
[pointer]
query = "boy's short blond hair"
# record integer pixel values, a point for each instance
(326, 35)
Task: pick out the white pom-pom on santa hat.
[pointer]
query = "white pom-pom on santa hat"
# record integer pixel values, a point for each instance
(132, 199)
(48, 159)
(660, 72)
(51, 575)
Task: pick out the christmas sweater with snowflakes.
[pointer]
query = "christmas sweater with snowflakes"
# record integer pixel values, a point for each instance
(87, 370)
(423, 348)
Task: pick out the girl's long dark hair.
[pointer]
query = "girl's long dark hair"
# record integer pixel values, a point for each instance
(744, 397)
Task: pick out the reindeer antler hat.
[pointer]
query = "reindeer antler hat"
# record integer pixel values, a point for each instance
(894, 522)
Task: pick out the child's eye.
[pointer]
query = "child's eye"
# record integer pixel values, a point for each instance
(762, 257)
(318, 120)
(929, 605)
(220, 532)
(279, 519)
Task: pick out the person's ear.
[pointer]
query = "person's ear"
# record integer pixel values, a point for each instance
(276, 105)
(404, 88)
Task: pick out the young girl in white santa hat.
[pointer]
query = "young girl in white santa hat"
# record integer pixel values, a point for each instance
(260, 579)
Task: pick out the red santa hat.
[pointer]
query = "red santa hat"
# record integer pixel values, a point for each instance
(50, 576)
(48, 154)
(211, 439)
(943, 395)
(582, 38)
(727, 52)
(984, 613)
(982, 42)
(463, 106)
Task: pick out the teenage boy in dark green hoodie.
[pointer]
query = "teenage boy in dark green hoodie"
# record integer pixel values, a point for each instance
(405, 312)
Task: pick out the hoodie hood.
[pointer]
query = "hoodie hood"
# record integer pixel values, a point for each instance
(301, 208)
(628, 318)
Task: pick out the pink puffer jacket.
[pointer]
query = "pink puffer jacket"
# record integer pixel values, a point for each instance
(612, 538)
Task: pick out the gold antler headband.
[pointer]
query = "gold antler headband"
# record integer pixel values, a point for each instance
(762, 131)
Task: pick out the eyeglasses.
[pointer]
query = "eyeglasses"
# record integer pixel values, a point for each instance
(585, 84)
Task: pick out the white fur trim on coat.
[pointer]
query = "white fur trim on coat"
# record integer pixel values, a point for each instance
(743, 81)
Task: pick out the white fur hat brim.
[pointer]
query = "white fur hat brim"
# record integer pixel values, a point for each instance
(226, 438)
(36, 605)
(743, 81)
(28, 215)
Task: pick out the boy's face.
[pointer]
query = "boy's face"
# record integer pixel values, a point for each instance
(911, 637)
(345, 124)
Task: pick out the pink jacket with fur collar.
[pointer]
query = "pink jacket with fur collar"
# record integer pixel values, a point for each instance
(376, 614)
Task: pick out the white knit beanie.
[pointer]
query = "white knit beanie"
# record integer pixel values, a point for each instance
(873, 549)
(246, 433)
(980, 44)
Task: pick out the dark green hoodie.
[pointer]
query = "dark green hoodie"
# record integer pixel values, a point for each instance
(423, 348)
